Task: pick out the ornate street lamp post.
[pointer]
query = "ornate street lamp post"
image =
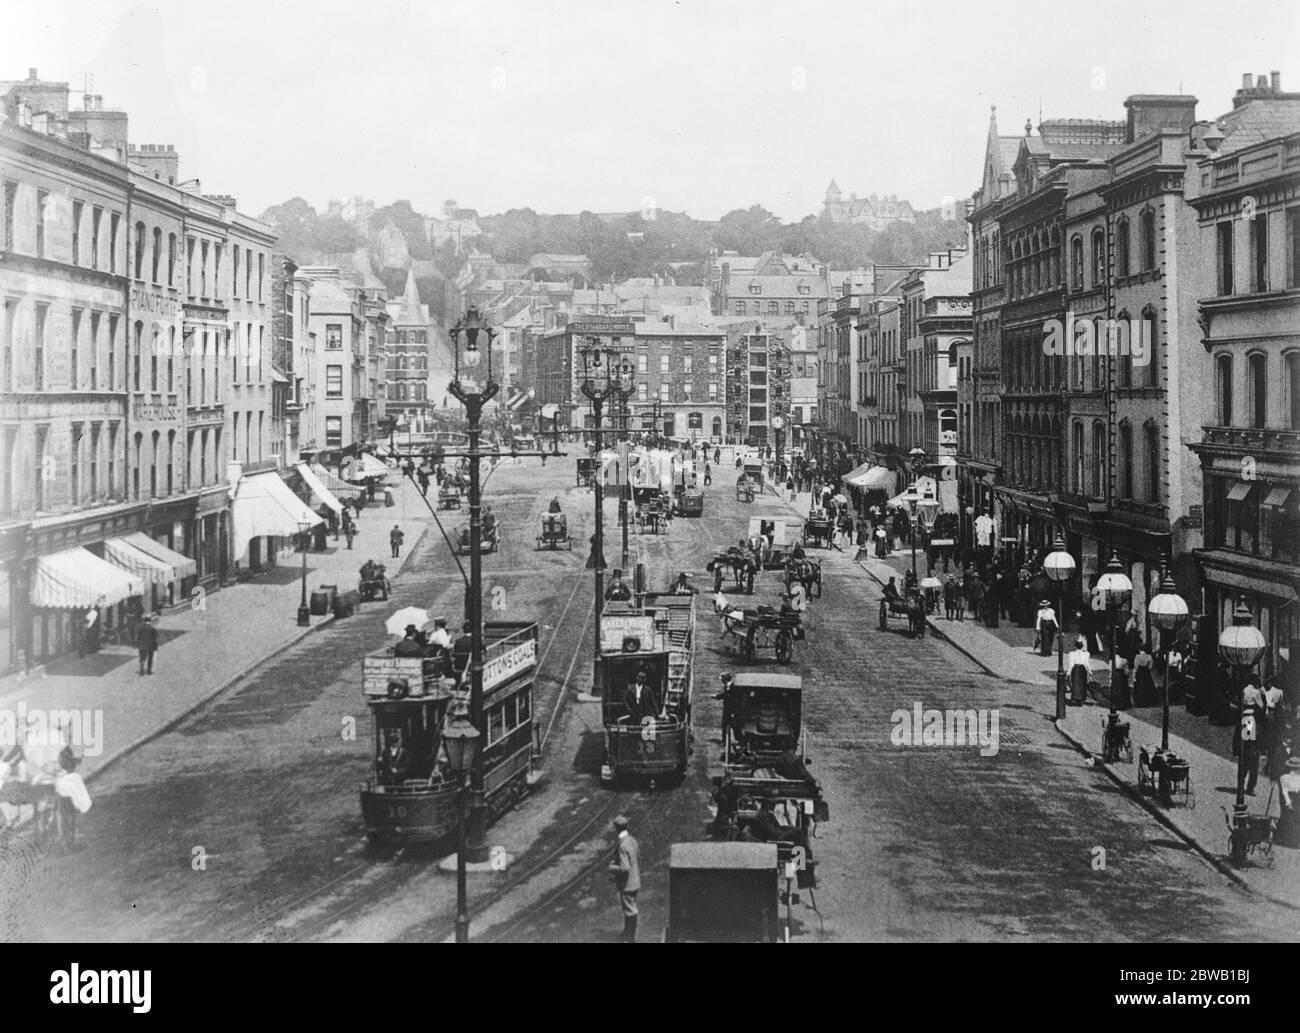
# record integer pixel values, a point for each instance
(597, 379)
(1059, 566)
(474, 387)
(1168, 612)
(1118, 590)
(461, 741)
(620, 383)
(1241, 645)
(304, 611)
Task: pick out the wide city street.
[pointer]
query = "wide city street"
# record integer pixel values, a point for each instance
(242, 822)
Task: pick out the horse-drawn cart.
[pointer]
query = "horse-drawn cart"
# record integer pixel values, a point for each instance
(762, 628)
(555, 532)
(374, 583)
(489, 541)
(819, 528)
(448, 497)
(911, 609)
(736, 565)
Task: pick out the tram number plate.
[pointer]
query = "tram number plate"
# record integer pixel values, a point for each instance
(396, 810)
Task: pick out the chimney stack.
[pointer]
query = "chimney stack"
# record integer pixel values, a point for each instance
(1276, 82)
(31, 74)
(1246, 80)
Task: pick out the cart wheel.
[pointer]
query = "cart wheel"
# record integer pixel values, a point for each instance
(784, 647)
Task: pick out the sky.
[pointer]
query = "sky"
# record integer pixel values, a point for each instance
(563, 105)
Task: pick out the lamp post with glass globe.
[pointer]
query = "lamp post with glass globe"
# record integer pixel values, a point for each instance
(1059, 566)
(1117, 589)
(597, 385)
(1241, 645)
(460, 739)
(473, 386)
(1168, 612)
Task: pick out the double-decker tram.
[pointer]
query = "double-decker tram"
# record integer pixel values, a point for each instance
(645, 677)
(411, 797)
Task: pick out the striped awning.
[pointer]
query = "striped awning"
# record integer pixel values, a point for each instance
(337, 486)
(318, 489)
(182, 566)
(135, 561)
(77, 577)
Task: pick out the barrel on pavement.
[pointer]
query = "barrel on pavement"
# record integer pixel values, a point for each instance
(320, 603)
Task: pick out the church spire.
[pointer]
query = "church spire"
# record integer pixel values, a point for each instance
(409, 313)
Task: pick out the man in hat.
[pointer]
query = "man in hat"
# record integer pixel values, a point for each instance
(618, 589)
(395, 538)
(409, 646)
(640, 698)
(146, 641)
(626, 870)
(951, 597)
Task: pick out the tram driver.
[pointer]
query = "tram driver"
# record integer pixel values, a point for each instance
(393, 762)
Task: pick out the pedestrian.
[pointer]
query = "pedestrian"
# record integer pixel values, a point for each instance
(1045, 628)
(626, 870)
(951, 595)
(395, 539)
(349, 528)
(146, 642)
(717, 457)
(1246, 738)
(422, 475)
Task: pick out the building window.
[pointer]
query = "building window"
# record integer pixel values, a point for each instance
(686, 390)
(1079, 464)
(754, 288)
(1293, 247)
(248, 273)
(1291, 364)
(42, 318)
(94, 461)
(663, 393)
(1223, 390)
(1256, 366)
(1076, 262)
(713, 391)
(1152, 435)
(11, 204)
(1150, 354)
(135, 357)
(1259, 252)
(171, 260)
(1125, 460)
(333, 381)
(642, 392)
(94, 351)
(1148, 239)
(713, 365)
(1124, 362)
(333, 431)
(157, 252)
(1099, 457)
(234, 274)
(114, 223)
(773, 308)
(1223, 257)
(1121, 248)
(77, 209)
(333, 337)
(789, 308)
(111, 383)
(663, 364)
(261, 274)
(96, 217)
(74, 351)
(154, 348)
(42, 220)
(686, 363)
(203, 269)
(139, 250)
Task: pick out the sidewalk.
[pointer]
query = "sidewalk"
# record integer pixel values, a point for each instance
(1214, 776)
(203, 651)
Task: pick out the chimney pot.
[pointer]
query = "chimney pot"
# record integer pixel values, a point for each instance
(1245, 80)
(1262, 82)
(31, 74)
(1276, 78)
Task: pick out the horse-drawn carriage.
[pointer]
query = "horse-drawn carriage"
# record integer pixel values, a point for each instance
(762, 628)
(819, 528)
(910, 608)
(448, 496)
(735, 564)
(653, 510)
(489, 540)
(744, 489)
(374, 583)
(691, 503)
(555, 532)
(806, 573)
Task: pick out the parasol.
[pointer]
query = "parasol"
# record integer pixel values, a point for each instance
(396, 624)
(931, 582)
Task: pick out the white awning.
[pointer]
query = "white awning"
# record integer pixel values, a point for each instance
(318, 489)
(870, 478)
(923, 485)
(133, 560)
(368, 466)
(264, 506)
(77, 577)
(182, 566)
(335, 483)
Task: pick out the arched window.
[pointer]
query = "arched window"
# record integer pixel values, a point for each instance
(1148, 239)
(1151, 450)
(1053, 263)
(1223, 390)
(1076, 262)
(1077, 457)
(139, 250)
(1291, 384)
(1257, 385)
(740, 308)
(171, 260)
(1122, 353)
(1099, 457)
(1125, 460)
(157, 252)
(1098, 257)
(952, 366)
(1145, 349)
(1121, 248)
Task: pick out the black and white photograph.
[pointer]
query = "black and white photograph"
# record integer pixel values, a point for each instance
(574, 472)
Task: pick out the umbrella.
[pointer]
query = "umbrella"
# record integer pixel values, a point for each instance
(839, 500)
(396, 624)
(931, 582)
